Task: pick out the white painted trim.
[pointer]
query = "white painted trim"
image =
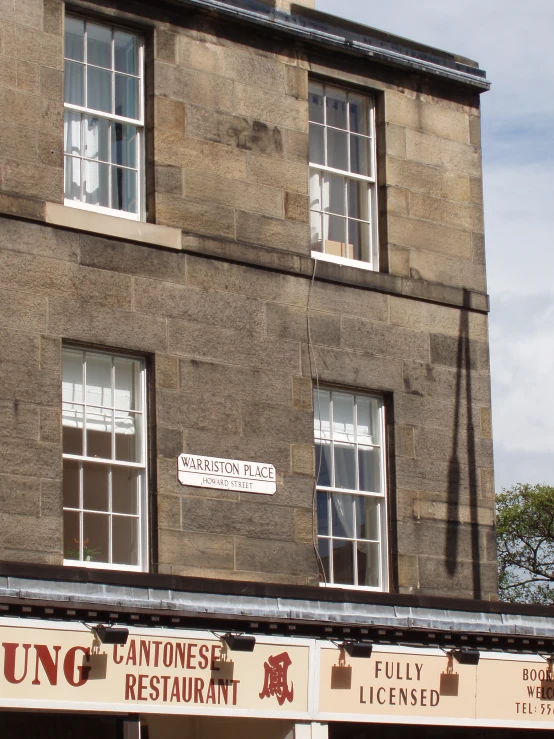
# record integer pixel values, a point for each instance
(101, 209)
(358, 263)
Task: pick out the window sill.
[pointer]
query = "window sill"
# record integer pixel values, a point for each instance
(112, 226)
(343, 260)
(363, 588)
(101, 566)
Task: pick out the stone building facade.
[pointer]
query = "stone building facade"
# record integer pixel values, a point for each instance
(215, 289)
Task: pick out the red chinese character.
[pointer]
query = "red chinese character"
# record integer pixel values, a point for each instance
(275, 681)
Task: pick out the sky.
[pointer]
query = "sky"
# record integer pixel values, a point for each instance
(512, 41)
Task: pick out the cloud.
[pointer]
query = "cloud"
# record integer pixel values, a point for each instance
(512, 41)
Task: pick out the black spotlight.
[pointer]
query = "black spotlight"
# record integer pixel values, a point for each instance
(240, 642)
(467, 656)
(112, 634)
(358, 648)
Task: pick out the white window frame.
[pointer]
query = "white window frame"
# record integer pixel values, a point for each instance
(381, 496)
(138, 123)
(371, 180)
(142, 502)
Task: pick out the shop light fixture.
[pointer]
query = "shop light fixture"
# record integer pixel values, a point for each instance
(239, 642)
(357, 648)
(466, 656)
(111, 634)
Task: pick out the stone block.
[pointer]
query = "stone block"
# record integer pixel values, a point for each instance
(217, 344)
(191, 215)
(270, 107)
(7, 8)
(216, 443)
(398, 201)
(475, 130)
(170, 114)
(287, 322)
(18, 108)
(476, 191)
(302, 461)
(169, 179)
(31, 533)
(433, 412)
(434, 443)
(273, 232)
(27, 75)
(51, 51)
(22, 311)
(50, 150)
(211, 274)
(302, 393)
(297, 82)
(245, 196)
(297, 146)
(266, 555)
(395, 141)
(27, 178)
(20, 495)
(165, 46)
(183, 151)
(206, 411)
(432, 181)
(38, 239)
(440, 152)
(50, 425)
(448, 213)
(384, 339)
(349, 301)
(18, 420)
(239, 383)
(437, 575)
(166, 370)
(438, 510)
(169, 442)
(447, 270)
(404, 441)
(478, 244)
(358, 369)
(52, 17)
(294, 491)
(268, 421)
(429, 379)
(51, 498)
(21, 143)
(432, 119)
(429, 538)
(297, 207)
(408, 571)
(52, 116)
(305, 533)
(433, 476)
(196, 550)
(399, 261)
(235, 131)
(486, 483)
(19, 348)
(29, 457)
(290, 175)
(8, 72)
(435, 237)
(168, 512)
(440, 319)
(86, 321)
(193, 86)
(486, 423)
(145, 261)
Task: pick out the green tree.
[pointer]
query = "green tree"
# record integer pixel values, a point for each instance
(525, 537)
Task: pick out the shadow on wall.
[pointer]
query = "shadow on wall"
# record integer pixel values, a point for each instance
(463, 370)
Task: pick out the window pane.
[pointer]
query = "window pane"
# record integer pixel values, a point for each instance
(322, 414)
(358, 200)
(72, 376)
(342, 515)
(127, 437)
(96, 132)
(323, 464)
(125, 52)
(336, 108)
(316, 103)
(343, 562)
(72, 420)
(95, 486)
(343, 417)
(99, 45)
(72, 178)
(70, 483)
(315, 190)
(95, 537)
(358, 114)
(359, 155)
(74, 39)
(124, 540)
(358, 240)
(124, 145)
(370, 472)
(317, 145)
(337, 149)
(99, 89)
(367, 517)
(124, 189)
(96, 179)
(99, 437)
(334, 195)
(368, 564)
(335, 236)
(71, 535)
(124, 490)
(126, 96)
(324, 553)
(345, 467)
(74, 83)
(368, 425)
(72, 133)
(127, 384)
(323, 514)
(316, 231)
(99, 379)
